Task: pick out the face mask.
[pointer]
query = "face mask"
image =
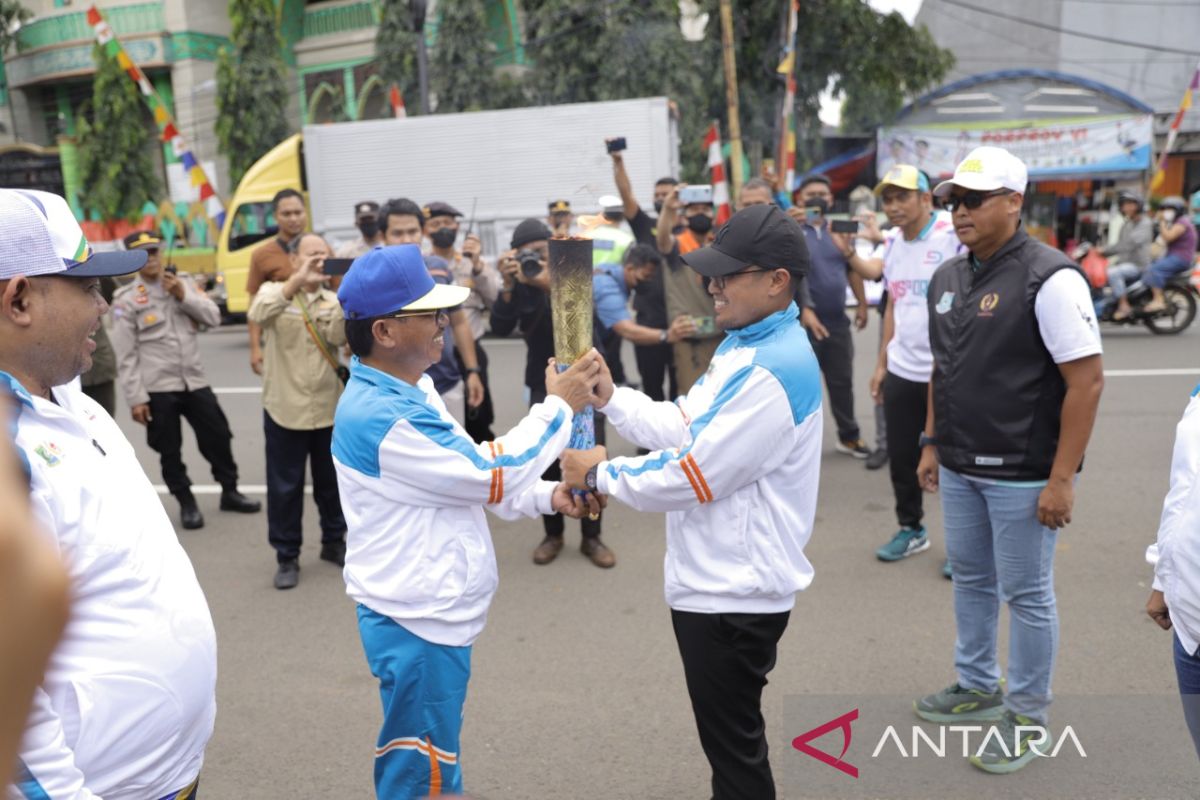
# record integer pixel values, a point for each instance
(658, 206)
(444, 237)
(368, 228)
(1168, 215)
(700, 223)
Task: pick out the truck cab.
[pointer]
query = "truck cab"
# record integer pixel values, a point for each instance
(250, 222)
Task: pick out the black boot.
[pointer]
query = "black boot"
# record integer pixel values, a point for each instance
(189, 513)
(233, 500)
(334, 552)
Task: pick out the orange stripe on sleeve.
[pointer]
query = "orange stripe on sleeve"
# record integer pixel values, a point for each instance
(700, 477)
(500, 475)
(492, 493)
(683, 464)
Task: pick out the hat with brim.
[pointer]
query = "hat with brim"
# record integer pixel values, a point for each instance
(986, 169)
(142, 239)
(40, 236)
(760, 235)
(904, 176)
(387, 280)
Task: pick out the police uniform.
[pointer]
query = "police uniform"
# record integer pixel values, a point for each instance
(158, 359)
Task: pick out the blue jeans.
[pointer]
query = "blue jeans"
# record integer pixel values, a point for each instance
(1187, 670)
(1120, 274)
(1159, 271)
(999, 550)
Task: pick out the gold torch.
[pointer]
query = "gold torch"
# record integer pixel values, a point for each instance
(571, 312)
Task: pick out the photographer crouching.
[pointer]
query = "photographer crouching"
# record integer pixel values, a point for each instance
(524, 303)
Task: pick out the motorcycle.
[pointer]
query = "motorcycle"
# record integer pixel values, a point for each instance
(1181, 294)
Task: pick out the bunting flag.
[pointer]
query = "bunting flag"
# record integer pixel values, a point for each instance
(787, 122)
(168, 131)
(397, 101)
(1160, 171)
(716, 164)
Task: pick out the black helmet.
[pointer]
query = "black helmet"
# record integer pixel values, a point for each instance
(1131, 197)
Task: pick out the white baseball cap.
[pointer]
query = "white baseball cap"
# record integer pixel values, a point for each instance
(39, 236)
(610, 202)
(986, 169)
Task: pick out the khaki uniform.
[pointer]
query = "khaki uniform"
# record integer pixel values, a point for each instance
(155, 338)
(158, 364)
(485, 288)
(300, 388)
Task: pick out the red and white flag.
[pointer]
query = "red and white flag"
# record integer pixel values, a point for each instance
(716, 165)
(397, 101)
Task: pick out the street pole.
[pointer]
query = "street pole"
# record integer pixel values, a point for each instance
(419, 7)
(731, 97)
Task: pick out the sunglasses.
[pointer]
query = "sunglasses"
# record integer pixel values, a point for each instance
(721, 280)
(441, 316)
(972, 200)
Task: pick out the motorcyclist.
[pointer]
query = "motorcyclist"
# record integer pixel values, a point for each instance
(1130, 254)
(1179, 234)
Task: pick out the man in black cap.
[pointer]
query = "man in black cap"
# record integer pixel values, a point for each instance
(157, 318)
(366, 219)
(524, 302)
(735, 464)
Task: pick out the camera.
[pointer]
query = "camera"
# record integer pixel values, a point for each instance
(615, 145)
(530, 261)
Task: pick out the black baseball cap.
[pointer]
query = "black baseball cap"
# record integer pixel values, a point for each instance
(761, 235)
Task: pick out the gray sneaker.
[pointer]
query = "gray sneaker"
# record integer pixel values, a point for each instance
(1004, 751)
(956, 704)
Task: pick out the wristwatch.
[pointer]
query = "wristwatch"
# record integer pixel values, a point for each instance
(925, 441)
(474, 371)
(662, 336)
(589, 480)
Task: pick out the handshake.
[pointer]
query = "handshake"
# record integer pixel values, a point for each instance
(586, 382)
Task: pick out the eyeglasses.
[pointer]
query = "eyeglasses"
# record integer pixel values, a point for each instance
(972, 200)
(721, 280)
(441, 316)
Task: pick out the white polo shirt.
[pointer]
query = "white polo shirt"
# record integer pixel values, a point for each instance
(129, 698)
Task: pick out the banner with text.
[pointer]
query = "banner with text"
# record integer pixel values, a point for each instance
(1049, 150)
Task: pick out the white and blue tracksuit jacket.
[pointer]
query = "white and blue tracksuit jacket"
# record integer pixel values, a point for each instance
(413, 486)
(736, 469)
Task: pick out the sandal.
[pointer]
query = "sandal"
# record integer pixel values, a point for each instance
(1121, 316)
(1154, 308)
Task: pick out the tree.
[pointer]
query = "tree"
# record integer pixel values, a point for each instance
(589, 50)
(873, 60)
(463, 70)
(116, 165)
(252, 90)
(12, 13)
(396, 49)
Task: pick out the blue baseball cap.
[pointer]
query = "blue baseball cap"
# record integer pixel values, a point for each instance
(390, 279)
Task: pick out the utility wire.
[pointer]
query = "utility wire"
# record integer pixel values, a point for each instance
(1066, 32)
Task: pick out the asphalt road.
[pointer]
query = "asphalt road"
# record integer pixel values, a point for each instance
(577, 689)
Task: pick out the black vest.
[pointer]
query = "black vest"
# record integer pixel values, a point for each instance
(997, 393)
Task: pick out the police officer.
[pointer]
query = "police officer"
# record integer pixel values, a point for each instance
(155, 321)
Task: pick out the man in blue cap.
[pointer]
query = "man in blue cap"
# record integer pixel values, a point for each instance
(419, 558)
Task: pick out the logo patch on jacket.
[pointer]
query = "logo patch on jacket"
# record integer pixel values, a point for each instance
(945, 302)
(988, 304)
(50, 453)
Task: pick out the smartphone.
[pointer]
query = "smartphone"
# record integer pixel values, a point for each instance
(337, 266)
(843, 225)
(704, 325)
(696, 194)
(615, 145)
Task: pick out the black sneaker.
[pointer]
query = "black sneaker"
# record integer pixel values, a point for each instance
(878, 459)
(857, 448)
(288, 574)
(334, 552)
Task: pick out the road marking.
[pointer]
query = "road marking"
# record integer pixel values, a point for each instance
(212, 488)
(1149, 373)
